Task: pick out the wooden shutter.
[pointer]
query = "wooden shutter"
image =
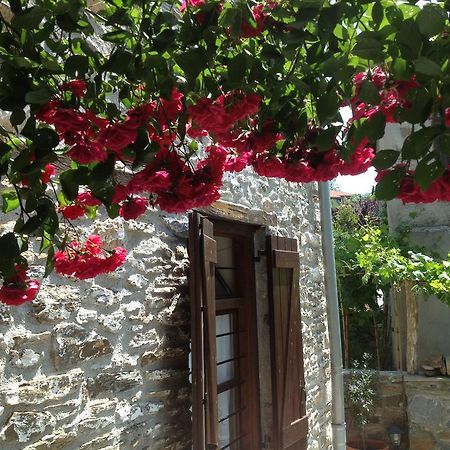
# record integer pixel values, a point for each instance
(288, 386)
(203, 258)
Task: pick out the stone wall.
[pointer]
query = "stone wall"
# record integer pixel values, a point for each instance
(389, 407)
(104, 364)
(419, 405)
(428, 412)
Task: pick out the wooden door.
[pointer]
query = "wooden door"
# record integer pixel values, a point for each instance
(288, 386)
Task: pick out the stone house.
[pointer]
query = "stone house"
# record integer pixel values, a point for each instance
(143, 359)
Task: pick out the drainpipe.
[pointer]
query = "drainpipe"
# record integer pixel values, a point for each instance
(334, 328)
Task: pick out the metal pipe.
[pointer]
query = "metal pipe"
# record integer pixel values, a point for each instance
(334, 328)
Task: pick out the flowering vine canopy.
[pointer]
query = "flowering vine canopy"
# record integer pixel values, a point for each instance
(128, 105)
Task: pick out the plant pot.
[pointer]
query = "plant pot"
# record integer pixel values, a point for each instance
(371, 444)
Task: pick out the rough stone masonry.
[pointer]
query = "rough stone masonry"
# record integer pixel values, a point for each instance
(103, 364)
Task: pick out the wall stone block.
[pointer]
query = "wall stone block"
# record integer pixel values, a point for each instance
(106, 383)
(72, 343)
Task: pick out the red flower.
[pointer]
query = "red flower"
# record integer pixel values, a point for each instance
(169, 110)
(150, 180)
(47, 112)
(78, 208)
(120, 193)
(19, 289)
(88, 261)
(70, 120)
(447, 117)
(194, 3)
(219, 115)
(259, 16)
(72, 212)
(140, 115)
(118, 136)
(379, 77)
(359, 162)
(269, 166)
(133, 208)
(77, 87)
(87, 199)
(86, 152)
(49, 171)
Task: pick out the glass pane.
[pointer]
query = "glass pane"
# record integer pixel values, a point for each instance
(228, 418)
(225, 372)
(225, 254)
(224, 324)
(225, 348)
(225, 268)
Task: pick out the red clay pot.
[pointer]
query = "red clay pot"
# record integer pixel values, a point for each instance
(371, 444)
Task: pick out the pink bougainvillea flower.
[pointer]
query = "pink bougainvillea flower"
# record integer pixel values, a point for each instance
(86, 152)
(72, 212)
(193, 3)
(133, 208)
(359, 162)
(259, 17)
(118, 136)
(48, 173)
(88, 260)
(78, 207)
(19, 289)
(77, 87)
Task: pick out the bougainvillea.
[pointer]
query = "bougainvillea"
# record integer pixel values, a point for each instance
(18, 288)
(133, 106)
(88, 260)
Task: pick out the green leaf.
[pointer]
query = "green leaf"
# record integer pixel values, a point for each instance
(377, 12)
(38, 97)
(327, 107)
(369, 93)
(30, 19)
(368, 48)
(113, 210)
(192, 62)
(76, 65)
(417, 144)
(326, 138)
(394, 15)
(401, 69)
(69, 184)
(421, 103)
(389, 186)
(427, 67)
(231, 18)
(428, 171)
(431, 20)
(17, 117)
(50, 263)
(385, 159)
(117, 36)
(10, 246)
(237, 68)
(410, 39)
(120, 62)
(375, 126)
(10, 201)
(31, 225)
(45, 138)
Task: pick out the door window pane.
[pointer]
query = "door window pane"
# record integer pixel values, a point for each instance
(228, 418)
(225, 347)
(225, 268)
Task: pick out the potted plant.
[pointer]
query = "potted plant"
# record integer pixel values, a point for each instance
(360, 399)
